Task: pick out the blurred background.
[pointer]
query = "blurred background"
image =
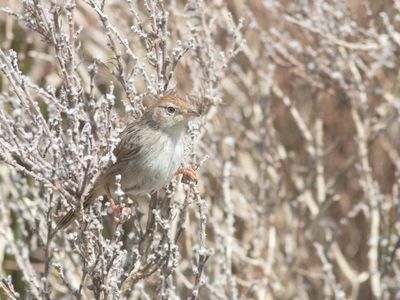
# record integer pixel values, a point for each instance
(298, 194)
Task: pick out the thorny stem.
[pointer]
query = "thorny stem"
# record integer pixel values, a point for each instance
(48, 254)
(156, 38)
(202, 252)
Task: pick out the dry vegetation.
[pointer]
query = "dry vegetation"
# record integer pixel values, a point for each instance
(299, 184)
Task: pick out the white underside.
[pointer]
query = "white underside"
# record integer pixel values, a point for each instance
(158, 164)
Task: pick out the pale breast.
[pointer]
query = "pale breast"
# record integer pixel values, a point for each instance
(157, 165)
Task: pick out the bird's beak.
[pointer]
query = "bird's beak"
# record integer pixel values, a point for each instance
(192, 113)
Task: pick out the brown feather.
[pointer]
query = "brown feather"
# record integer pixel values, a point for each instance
(136, 143)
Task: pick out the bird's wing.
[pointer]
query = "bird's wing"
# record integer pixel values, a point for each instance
(129, 145)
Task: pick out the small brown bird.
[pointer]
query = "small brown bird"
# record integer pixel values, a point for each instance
(149, 153)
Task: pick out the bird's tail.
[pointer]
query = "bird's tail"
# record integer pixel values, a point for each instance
(72, 214)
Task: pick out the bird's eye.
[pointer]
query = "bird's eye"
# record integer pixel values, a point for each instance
(171, 110)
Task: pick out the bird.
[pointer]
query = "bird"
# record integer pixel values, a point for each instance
(149, 153)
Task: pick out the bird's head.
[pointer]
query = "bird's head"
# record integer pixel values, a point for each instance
(174, 111)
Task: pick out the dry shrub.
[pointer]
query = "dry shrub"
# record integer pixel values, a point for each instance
(298, 193)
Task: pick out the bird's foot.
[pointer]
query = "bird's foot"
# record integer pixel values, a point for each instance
(189, 174)
(121, 214)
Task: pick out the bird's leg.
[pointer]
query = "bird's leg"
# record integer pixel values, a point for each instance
(115, 208)
(121, 214)
(189, 174)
